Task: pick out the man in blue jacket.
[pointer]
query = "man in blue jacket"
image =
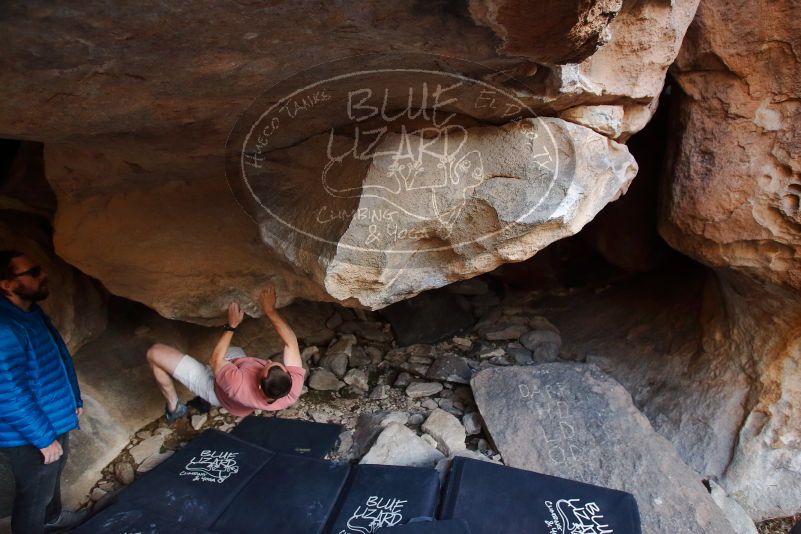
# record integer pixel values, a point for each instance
(40, 401)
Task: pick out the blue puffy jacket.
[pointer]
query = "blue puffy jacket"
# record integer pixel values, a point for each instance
(38, 388)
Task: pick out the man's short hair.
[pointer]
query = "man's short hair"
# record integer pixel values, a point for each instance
(5, 263)
(277, 383)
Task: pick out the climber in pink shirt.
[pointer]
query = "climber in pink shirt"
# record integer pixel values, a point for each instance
(232, 380)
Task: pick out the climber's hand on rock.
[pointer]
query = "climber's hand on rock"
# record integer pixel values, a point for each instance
(267, 298)
(235, 314)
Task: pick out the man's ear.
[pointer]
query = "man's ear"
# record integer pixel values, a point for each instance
(6, 286)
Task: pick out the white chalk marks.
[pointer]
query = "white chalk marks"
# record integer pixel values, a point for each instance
(377, 512)
(391, 154)
(211, 466)
(559, 437)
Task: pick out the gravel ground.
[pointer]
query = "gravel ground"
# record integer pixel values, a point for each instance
(778, 526)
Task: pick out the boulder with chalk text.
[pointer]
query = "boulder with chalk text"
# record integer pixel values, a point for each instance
(574, 421)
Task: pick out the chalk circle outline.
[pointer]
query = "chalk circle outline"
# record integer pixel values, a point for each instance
(241, 173)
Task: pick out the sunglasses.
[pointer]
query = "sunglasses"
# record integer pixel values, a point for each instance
(33, 272)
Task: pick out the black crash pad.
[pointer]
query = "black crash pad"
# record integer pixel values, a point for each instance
(796, 529)
(493, 498)
(290, 494)
(378, 496)
(289, 436)
(197, 483)
(452, 526)
(120, 519)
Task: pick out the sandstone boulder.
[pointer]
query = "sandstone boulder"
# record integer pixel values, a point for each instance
(710, 362)
(397, 445)
(731, 195)
(141, 196)
(573, 421)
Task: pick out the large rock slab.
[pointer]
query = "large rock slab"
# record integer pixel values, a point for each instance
(574, 421)
(510, 191)
(725, 205)
(694, 351)
(136, 160)
(732, 200)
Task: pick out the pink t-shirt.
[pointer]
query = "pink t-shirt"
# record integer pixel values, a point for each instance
(237, 387)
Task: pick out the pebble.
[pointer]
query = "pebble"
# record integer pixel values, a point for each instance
(423, 389)
(345, 442)
(124, 472)
(544, 344)
(430, 404)
(153, 461)
(375, 354)
(357, 379)
(472, 423)
(324, 380)
(199, 420)
(147, 448)
(446, 429)
(462, 342)
(449, 406)
(394, 417)
(500, 360)
(512, 331)
(310, 353)
(359, 358)
(380, 392)
(334, 321)
(336, 363)
(520, 355)
(403, 380)
(486, 354)
(343, 345)
(319, 416)
(416, 419)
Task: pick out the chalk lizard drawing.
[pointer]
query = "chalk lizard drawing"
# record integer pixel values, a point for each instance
(375, 514)
(211, 466)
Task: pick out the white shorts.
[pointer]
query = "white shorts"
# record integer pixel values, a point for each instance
(199, 378)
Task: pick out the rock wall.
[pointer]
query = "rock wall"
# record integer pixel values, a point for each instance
(77, 303)
(731, 200)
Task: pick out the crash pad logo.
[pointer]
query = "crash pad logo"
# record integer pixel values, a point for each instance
(374, 514)
(211, 466)
(571, 516)
(387, 153)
